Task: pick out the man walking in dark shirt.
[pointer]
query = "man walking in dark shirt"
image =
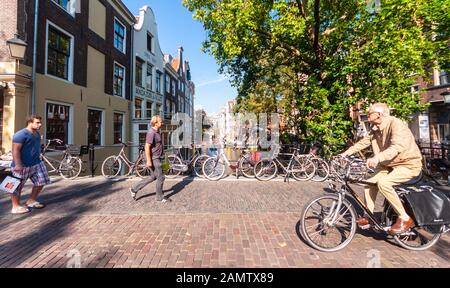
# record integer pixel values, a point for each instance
(154, 153)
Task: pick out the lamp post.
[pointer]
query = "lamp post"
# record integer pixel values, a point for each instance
(17, 48)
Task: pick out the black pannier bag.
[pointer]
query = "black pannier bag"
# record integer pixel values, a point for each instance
(429, 206)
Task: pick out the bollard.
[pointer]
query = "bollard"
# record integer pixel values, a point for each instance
(91, 159)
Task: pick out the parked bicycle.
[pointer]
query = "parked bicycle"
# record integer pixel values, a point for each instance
(301, 168)
(328, 222)
(178, 165)
(113, 165)
(68, 166)
(214, 167)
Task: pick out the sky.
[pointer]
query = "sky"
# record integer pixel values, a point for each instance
(176, 27)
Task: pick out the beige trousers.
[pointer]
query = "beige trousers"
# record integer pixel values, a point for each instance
(385, 181)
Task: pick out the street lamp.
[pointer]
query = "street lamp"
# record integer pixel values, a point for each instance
(17, 48)
(446, 95)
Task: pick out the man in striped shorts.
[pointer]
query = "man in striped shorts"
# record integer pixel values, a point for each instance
(27, 164)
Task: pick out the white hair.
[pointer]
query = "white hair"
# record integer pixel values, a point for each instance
(382, 108)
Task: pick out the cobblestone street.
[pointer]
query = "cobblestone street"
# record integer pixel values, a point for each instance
(230, 223)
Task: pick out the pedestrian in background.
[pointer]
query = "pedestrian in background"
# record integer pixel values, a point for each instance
(154, 154)
(27, 164)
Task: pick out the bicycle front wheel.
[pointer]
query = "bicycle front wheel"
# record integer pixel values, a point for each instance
(111, 167)
(246, 167)
(213, 169)
(175, 165)
(325, 228)
(322, 170)
(303, 169)
(198, 165)
(265, 170)
(70, 167)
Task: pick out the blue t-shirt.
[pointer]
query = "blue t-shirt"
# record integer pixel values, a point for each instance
(31, 147)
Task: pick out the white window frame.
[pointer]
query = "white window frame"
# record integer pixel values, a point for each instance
(446, 129)
(158, 85)
(124, 79)
(72, 51)
(447, 74)
(134, 107)
(71, 119)
(149, 65)
(151, 43)
(102, 128)
(167, 83)
(136, 61)
(124, 36)
(123, 125)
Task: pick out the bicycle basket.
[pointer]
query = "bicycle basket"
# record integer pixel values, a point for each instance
(73, 150)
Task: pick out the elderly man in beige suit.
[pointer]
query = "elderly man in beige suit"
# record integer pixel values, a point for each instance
(397, 158)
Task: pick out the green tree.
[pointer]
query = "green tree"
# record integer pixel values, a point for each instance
(313, 59)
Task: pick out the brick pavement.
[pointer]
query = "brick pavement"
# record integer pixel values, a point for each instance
(209, 224)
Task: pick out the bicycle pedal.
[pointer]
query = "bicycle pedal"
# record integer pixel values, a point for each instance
(364, 227)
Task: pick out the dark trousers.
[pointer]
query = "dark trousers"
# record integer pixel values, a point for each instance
(158, 175)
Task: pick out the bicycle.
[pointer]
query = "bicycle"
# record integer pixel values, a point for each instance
(322, 167)
(214, 167)
(300, 167)
(69, 166)
(330, 213)
(113, 164)
(177, 164)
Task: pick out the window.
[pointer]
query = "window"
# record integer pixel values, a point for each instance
(58, 57)
(167, 83)
(158, 109)
(63, 4)
(138, 108)
(138, 80)
(415, 89)
(444, 78)
(148, 109)
(167, 111)
(158, 82)
(174, 84)
(118, 128)
(119, 77)
(149, 42)
(443, 131)
(119, 36)
(94, 127)
(149, 76)
(57, 122)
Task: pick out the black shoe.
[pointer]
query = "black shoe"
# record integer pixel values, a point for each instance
(165, 200)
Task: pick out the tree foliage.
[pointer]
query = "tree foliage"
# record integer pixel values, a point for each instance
(313, 59)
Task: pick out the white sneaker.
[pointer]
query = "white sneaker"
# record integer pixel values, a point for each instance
(133, 194)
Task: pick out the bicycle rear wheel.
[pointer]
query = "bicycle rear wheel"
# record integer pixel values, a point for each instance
(70, 167)
(417, 238)
(318, 228)
(112, 166)
(213, 169)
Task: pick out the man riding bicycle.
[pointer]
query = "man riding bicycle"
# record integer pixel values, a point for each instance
(398, 159)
